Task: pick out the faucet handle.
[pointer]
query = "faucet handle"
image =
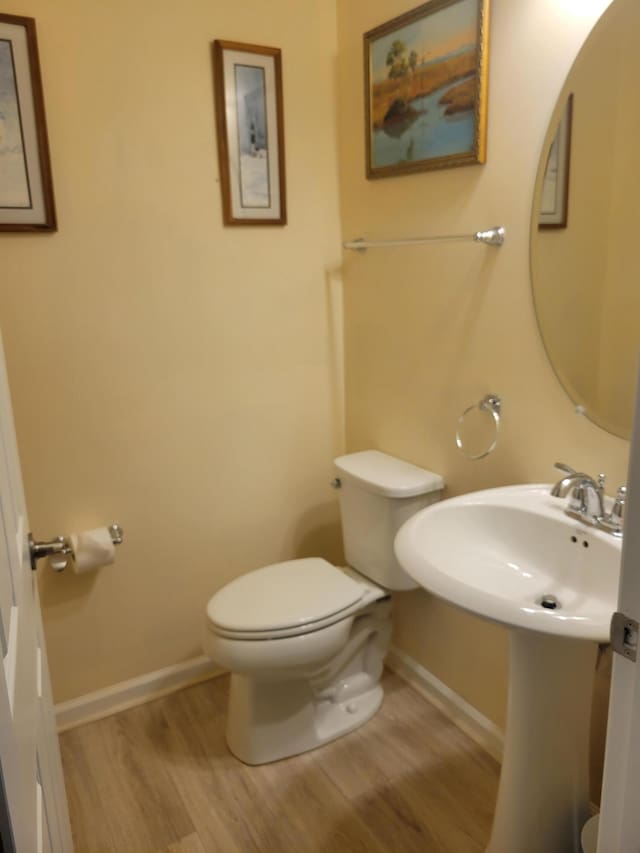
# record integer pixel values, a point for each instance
(617, 512)
(571, 473)
(613, 522)
(562, 466)
(602, 479)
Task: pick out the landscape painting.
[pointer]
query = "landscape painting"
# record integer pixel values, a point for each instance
(426, 83)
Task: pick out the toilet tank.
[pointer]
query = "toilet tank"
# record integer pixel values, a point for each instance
(378, 493)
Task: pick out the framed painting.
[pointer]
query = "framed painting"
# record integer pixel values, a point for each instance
(26, 188)
(554, 201)
(250, 132)
(426, 75)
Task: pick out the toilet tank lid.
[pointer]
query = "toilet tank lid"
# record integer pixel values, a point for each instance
(385, 475)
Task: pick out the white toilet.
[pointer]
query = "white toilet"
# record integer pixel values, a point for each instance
(304, 640)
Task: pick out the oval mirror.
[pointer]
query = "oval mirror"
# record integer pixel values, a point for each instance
(585, 266)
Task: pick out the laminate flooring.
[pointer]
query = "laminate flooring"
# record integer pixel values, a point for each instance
(159, 777)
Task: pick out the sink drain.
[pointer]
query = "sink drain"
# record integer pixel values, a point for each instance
(549, 602)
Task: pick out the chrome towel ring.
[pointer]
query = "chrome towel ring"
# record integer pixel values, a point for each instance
(492, 404)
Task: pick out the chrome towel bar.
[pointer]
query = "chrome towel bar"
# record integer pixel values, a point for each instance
(490, 237)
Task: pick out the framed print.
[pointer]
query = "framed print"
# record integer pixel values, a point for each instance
(426, 76)
(554, 202)
(249, 123)
(26, 189)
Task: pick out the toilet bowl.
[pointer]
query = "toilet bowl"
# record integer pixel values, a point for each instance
(304, 640)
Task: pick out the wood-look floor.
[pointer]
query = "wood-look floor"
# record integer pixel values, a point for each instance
(159, 777)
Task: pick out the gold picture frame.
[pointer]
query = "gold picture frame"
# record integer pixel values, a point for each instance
(426, 78)
(250, 133)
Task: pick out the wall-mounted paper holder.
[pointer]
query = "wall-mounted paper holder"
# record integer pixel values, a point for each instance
(60, 550)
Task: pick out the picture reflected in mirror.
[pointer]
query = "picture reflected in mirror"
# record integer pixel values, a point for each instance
(554, 200)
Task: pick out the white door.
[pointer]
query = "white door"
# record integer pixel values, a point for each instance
(33, 805)
(619, 830)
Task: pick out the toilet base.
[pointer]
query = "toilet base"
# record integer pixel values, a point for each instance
(286, 721)
(269, 719)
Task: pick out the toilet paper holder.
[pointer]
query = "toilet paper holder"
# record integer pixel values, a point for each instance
(61, 550)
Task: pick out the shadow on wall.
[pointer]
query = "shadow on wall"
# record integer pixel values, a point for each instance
(63, 588)
(599, 717)
(318, 533)
(335, 330)
(465, 302)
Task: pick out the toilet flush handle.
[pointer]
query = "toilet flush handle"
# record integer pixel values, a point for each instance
(336, 483)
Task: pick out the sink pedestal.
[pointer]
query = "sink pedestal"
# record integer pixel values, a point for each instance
(543, 797)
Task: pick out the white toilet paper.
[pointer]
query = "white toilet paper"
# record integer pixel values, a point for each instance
(92, 549)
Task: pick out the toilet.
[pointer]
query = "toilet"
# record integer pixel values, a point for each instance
(304, 640)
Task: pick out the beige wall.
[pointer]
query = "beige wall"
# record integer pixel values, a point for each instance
(167, 372)
(431, 329)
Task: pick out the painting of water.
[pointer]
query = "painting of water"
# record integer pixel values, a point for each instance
(426, 88)
(14, 181)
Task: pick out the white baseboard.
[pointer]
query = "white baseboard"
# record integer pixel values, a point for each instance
(135, 691)
(462, 713)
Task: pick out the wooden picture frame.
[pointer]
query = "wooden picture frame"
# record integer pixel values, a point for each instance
(554, 196)
(250, 133)
(426, 78)
(26, 186)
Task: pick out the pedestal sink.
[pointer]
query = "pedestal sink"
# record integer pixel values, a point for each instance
(513, 556)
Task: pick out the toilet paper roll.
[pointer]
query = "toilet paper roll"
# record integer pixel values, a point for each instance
(92, 549)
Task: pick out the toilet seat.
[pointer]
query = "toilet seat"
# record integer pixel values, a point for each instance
(288, 599)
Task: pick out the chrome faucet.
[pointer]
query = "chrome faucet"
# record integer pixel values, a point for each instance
(586, 502)
(587, 496)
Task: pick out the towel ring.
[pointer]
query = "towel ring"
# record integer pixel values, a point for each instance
(492, 404)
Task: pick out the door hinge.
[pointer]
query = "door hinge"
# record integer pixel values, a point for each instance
(624, 635)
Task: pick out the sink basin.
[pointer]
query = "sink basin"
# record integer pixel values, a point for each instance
(499, 551)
